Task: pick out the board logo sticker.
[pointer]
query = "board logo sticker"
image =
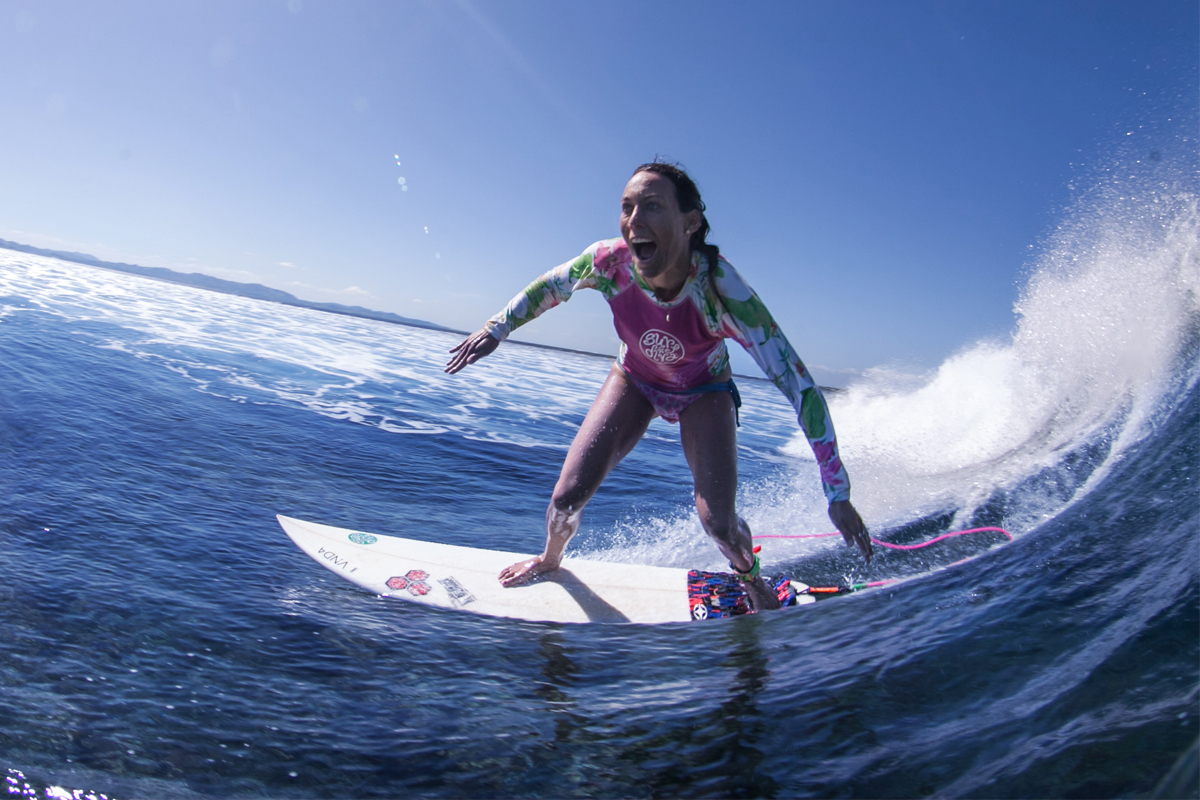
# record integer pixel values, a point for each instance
(458, 594)
(363, 538)
(413, 580)
(334, 559)
(661, 347)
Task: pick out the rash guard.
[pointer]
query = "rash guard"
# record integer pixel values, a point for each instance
(680, 344)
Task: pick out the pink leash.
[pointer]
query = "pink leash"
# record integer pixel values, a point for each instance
(886, 544)
(857, 586)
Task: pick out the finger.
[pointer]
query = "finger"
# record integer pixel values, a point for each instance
(864, 543)
(857, 536)
(460, 360)
(470, 340)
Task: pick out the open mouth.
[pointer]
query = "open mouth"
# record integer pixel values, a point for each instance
(644, 249)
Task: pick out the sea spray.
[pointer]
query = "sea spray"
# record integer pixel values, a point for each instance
(1109, 311)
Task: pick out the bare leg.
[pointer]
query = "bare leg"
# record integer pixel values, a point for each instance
(708, 430)
(615, 423)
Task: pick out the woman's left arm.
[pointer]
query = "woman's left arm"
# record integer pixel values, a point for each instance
(747, 320)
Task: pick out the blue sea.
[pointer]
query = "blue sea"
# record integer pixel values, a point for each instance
(163, 638)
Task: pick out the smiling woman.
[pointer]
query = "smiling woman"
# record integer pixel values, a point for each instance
(674, 301)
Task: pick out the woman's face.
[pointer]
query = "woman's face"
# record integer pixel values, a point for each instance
(657, 232)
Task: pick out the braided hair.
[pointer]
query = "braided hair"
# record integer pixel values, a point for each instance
(688, 198)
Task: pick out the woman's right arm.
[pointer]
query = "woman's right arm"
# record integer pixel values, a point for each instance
(555, 287)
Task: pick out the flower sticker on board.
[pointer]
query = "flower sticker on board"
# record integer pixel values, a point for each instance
(413, 580)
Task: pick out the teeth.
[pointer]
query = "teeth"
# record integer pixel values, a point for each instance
(640, 240)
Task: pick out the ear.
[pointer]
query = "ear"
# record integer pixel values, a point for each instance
(693, 221)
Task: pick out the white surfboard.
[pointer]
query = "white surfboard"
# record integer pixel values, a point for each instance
(466, 578)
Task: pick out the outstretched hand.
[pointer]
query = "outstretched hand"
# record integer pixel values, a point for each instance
(851, 525)
(471, 349)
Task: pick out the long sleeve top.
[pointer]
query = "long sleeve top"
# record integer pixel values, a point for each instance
(679, 344)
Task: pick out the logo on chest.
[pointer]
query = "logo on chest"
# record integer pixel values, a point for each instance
(661, 347)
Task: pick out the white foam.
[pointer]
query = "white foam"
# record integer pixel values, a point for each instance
(1100, 330)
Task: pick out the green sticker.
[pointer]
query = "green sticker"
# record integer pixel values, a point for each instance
(363, 538)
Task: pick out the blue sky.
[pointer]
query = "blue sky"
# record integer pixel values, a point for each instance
(881, 172)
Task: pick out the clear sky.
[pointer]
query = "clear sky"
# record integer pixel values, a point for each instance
(881, 172)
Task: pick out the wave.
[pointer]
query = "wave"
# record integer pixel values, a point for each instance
(1104, 345)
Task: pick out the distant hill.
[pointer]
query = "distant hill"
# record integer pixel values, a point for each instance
(255, 290)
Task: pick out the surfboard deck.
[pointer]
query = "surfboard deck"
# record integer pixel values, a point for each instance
(465, 578)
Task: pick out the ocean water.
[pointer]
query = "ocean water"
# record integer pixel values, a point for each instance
(163, 638)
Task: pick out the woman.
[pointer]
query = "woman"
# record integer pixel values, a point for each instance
(674, 300)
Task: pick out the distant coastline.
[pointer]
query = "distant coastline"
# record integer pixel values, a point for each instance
(254, 290)
(259, 292)
(200, 281)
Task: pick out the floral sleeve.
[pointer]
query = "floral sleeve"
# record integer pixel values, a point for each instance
(747, 320)
(555, 287)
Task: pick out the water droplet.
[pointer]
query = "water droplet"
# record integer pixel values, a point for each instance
(404, 188)
(427, 229)
(291, 774)
(401, 180)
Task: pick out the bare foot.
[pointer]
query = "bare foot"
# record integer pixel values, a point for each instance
(762, 597)
(525, 571)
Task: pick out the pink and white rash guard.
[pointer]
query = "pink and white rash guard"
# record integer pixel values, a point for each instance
(680, 344)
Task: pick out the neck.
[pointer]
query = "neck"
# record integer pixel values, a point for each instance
(666, 284)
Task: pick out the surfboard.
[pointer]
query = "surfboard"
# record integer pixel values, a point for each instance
(466, 579)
